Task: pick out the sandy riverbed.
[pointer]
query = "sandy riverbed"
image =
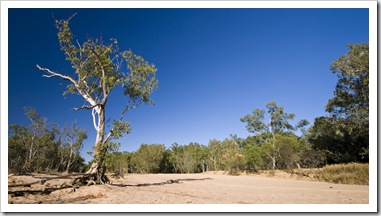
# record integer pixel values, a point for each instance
(205, 188)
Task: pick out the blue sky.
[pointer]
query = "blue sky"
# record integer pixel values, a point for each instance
(214, 66)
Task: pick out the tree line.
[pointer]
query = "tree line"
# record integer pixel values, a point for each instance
(273, 146)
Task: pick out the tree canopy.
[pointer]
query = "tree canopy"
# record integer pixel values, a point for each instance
(344, 132)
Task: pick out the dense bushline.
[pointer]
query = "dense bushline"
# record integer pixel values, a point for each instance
(43, 147)
(227, 155)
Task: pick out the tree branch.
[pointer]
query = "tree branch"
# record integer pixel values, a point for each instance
(128, 108)
(86, 107)
(85, 95)
(53, 74)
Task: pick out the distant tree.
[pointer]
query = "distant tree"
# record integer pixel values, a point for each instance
(215, 154)
(18, 142)
(187, 158)
(37, 129)
(40, 147)
(278, 122)
(344, 132)
(203, 157)
(148, 158)
(252, 158)
(73, 141)
(118, 162)
(289, 150)
(232, 157)
(98, 69)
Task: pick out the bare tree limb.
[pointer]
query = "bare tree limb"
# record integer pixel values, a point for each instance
(85, 95)
(53, 74)
(86, 107)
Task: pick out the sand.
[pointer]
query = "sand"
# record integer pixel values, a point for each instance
(206, 188)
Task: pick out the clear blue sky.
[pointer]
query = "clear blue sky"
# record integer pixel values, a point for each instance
(214, 66)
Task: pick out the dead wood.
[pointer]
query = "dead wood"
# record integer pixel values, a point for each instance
(40, 191)
(26, 184)
(171, 181)
(44, 179)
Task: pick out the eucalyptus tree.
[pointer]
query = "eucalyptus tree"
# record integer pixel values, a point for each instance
(278, 122)
(100, 67)
(148, 158)
(344, 132)
(73, 138)
(215, 154)
(37, 130)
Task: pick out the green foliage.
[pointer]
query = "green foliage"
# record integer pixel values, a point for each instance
(191, 158)
(252, 158)
(99, 68)
(344, 133)
(278, 120)
(354, 173)
(277, 150)
(312, 158)
(38, 148)
(232, 158)
(118, 128)
(215, 154)
(289, 149)
(148, 158)
(118, 162)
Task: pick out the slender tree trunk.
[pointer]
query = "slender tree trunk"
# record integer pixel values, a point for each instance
(70, 158)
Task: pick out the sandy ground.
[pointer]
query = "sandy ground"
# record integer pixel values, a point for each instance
(205, 188)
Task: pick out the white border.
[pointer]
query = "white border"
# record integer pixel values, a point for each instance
(371, 207)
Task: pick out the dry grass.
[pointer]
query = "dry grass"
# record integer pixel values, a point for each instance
(354, 173)
(92, 196)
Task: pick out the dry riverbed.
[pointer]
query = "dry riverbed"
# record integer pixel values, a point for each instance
(205, 188)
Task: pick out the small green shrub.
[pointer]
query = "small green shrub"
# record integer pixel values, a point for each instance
(354, 173)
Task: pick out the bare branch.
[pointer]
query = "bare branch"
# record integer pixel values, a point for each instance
(71, 17)
(53, 74)
(86, 107)
(85, 95)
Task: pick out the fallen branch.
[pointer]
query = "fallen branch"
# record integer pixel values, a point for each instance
(41, 191)
(171, 181)
(26, 184)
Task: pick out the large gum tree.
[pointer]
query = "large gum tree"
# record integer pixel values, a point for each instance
(99, 68)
